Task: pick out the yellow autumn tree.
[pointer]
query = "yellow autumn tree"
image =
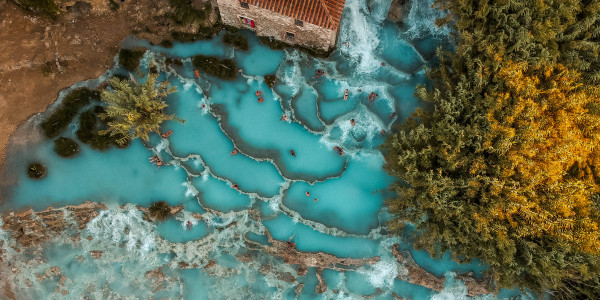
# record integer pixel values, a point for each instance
(544, 126)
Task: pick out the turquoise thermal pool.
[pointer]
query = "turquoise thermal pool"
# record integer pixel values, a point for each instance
(219, 254)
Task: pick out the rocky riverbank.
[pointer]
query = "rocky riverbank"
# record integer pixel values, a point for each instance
(30, 230)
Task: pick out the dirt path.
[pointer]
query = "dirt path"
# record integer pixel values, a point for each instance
(80, 45)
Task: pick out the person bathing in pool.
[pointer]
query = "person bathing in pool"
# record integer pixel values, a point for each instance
(166, 134)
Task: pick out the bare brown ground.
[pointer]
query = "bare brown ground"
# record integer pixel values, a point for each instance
(86, 41)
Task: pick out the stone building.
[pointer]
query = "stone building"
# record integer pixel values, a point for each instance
(309, 23)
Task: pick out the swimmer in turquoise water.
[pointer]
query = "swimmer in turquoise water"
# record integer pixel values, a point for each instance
(167, 134)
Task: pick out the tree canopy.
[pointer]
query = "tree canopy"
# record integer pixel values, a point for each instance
(503, 164)
(135, 109)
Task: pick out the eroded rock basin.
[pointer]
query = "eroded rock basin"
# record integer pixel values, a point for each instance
(237, 244)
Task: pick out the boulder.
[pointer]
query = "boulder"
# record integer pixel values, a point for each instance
(398, 10)
(80, 8)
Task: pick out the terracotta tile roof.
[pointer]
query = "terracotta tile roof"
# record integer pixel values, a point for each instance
(323, 13)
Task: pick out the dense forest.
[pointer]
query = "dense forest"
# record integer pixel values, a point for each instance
(503, 162)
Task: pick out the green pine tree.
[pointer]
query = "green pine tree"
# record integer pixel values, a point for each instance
(136, 109)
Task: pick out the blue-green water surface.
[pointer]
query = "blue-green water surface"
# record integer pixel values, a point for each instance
(320, 200)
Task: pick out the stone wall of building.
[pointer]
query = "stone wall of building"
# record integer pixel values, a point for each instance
(268, 23)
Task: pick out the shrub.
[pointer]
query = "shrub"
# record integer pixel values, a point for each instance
(221, 68)
(72, 103)
(47, 68)
(273, 43)
(36, 170)
(66, 147)
(236, 40)
(50, 67)
(134, 109)
(90, 124)
(114, 6)
(279, 45)
(45, 7)
(167, 43)
(187, 37)
(270, 80)
(184, 14)
(231, 29)
(120, 76)
(130, 59)
(159, 211)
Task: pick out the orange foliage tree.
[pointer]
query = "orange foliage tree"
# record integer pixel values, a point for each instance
(546, 130)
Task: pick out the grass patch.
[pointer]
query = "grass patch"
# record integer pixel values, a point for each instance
(36, 170)
(279, 45)
(90, 124)
(184, 14)
(236, 40)
(222, 68)
(159, 211)
(66, 147)
(130, 59)
(71, 104)
(44, 7)
(270, 80)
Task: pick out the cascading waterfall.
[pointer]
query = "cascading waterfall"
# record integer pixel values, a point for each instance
(318, 199)
(359, 36)
(421, 20)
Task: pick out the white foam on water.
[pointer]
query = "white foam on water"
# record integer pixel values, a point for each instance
(374, 159)
(197, 162)
(291, 76)
(203, 102)
(164, 143)
(453, 289)
(205, 174)
(124, 225)
(421, 20)
(188, 84)
(344, 296)
(358, 36)
(382, 274)
(191, 190)
(185, 217)
(367, 126)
